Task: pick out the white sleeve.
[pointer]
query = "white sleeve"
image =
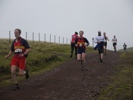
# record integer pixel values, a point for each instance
(95, 40)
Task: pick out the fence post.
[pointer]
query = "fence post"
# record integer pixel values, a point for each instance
(26, 36)
(54, 38)
(92, 42)
(44, 37)
(39, 36)
(50, 38)
(66, 40)
(63, 40)
(9, 36)
(33, 36)
(59, 39)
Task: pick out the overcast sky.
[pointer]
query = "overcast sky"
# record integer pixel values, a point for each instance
(64, 17)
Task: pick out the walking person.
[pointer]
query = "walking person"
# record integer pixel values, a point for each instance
(20, 48)
(81, 43)
(124, 46)
(100, 43)
(105, 42)
(114, 40)
(73, 47)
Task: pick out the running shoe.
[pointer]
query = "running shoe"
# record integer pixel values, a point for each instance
(81, 62)
(16, 87)
(101, 60)
(26, 75)
(82, 67)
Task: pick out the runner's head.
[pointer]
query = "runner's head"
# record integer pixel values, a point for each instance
(99, 33)
(81, 33)
(17, 33)
(114, 36)
(104, 33)
(76, 33)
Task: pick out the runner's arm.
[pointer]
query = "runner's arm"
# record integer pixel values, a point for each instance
(87, 42)
(76, 42)
(9, 54)
(95, 40)
(11, 51)
(27, 48)
(107, 38)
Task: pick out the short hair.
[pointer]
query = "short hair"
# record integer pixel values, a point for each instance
(76, 32)
(104, 32)
(99, 33)
(82, 31)
(18, 30)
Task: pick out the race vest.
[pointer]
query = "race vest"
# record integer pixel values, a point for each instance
(74, 37)
(81, 42)
(18, 47)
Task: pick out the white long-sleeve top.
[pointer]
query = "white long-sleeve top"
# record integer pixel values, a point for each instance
(99, 39)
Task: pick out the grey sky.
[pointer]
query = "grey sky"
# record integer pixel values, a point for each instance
(64, 17)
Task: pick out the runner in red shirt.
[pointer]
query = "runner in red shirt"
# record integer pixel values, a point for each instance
(74, 37)
(81, 43)
(20, 48)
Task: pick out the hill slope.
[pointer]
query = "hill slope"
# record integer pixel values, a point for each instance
(43, 56)
(128, 49)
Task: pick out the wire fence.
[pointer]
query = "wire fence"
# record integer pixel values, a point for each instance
(40, 37)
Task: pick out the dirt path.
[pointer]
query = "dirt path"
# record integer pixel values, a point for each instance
(67, 82)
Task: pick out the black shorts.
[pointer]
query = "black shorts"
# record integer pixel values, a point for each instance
(101, 49)
(80, 50)
(114, 44)
(105, 44)
(72, 44)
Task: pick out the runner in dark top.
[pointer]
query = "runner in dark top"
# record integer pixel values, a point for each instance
(20, 48)
(124, 46)
(81, 43)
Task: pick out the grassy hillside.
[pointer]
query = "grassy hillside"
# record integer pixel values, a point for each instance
(121, 86)
(43, 57)
(128, 49)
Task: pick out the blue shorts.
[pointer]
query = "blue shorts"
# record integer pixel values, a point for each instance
(81, 50)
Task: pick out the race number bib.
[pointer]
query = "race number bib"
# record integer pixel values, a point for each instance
(18, 50)
(80, 45)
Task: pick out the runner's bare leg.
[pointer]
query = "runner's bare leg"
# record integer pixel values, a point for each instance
(13, 73)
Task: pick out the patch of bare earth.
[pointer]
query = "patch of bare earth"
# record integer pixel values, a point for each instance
(67, 81)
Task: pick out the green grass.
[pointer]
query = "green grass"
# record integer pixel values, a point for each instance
(121, 87)
(43, 57)
(128, 49)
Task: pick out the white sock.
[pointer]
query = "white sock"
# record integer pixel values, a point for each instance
(24, 72)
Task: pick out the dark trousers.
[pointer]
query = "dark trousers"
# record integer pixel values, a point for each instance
(72, 49)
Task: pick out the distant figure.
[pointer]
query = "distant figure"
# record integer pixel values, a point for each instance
(124, 46)
(81, 43)
(105, 42)
(74, 37)
(100, 42)
(114, 40)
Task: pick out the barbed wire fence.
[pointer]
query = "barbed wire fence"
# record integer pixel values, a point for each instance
(39, 37)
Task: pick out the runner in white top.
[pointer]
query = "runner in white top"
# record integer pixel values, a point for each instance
(114, 40)
(100, 41)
